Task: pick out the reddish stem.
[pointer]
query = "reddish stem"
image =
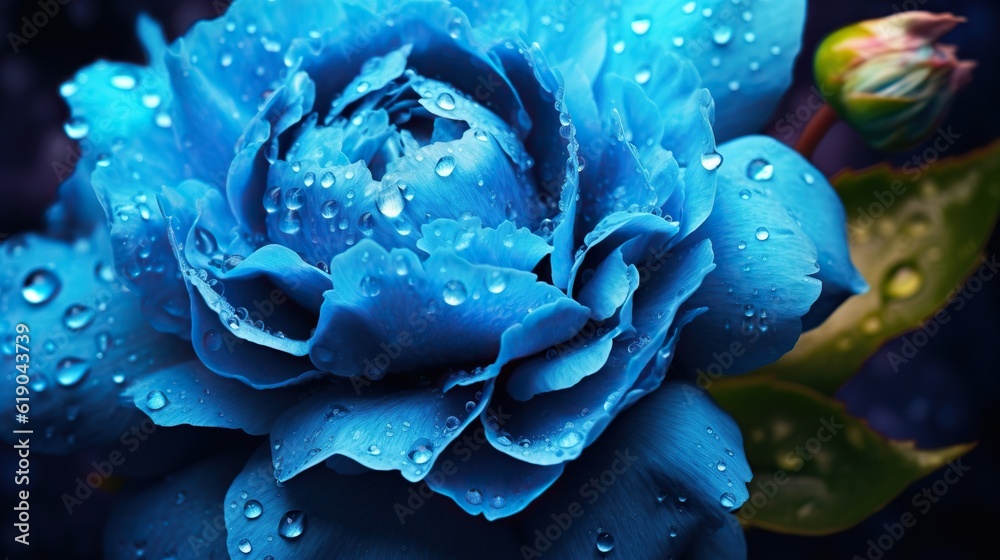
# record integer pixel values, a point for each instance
(816, 130)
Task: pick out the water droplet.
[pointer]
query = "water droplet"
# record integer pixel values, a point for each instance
(329, 209)
(362, 87)
(272, 200)
(445, 166)
(76, 128)
(721, 465)
(640, 25)
(252, 509)
(741, 245)
(711, 161)
(327, 180)
(570, 438)
(745, 194)
(78, 317)
(446, 101)
(366, 223)
(212, 340)
(291, 223)
(70, 371)
(40, 286)
(762, 234)
(760, 170)
(808, 178)
(293, 523)
(123, 81)
(495, 282)
(374, 450)
(371, 286)
(619, 47)
(474, 497)
(903, 282)
(295, 198)
(722, 35)
(455, 293)
(245, 547)
(673, 531)
(605, 542)
(727, 500)
(156, 400)
(643, 75)
(452, 422)
(390, 201)
(421, 452)
(498, 501)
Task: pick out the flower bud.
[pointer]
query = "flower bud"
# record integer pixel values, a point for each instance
(890, 79)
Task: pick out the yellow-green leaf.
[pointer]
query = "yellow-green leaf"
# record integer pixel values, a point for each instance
(915, 235)
(817, 470)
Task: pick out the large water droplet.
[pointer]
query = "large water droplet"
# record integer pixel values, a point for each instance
(455, 293)
(605, 542)
(722, 35)
(762, 234)
(498, 501)
(245, 547)
(124, 81)
(903, 282)
(711, 161)
(291, 223)
(156, 400)
(760, 170)
(421, 451)
(78, 317)
(445, 166)
(474, 497)
(727, 500)
(371, 286)
(292, 524)
(640, 25)
(330, 209)
(40, 286)
(295, 198)
(495, 282)
(390, 201)
(70, 371)
(252, 509)
(569, 439)
(76, 128)
(446, 101)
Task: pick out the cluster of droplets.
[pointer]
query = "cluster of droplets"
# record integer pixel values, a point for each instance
(291, 525)
(125, 80)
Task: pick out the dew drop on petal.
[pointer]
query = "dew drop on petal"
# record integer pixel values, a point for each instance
(293, 523)
(760, 170)
(156, 400)
(252, 509)
(445, 166)
(605, 543)
(40, 286)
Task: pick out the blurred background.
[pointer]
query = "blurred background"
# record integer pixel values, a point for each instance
(948, 396)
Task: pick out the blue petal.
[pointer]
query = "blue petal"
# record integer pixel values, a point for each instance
(553, 144)
(438, 313)
(350, 516)
(745, 54)
(482, 481)
(87, 341)
(111, 103)
(494, 21)
(571, 32)
(764, 281)
(505, 246)
(814, 205)
(188, 393)
(682, 126)
(181, 516)
(556, 426)
(382, 426)
(658, 462)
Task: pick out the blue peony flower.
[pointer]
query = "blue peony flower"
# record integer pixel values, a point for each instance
(462, 241)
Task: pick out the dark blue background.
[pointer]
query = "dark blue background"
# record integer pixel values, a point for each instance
(947, 396)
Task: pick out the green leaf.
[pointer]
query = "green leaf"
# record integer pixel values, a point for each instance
(915, 235)
(817, 470)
